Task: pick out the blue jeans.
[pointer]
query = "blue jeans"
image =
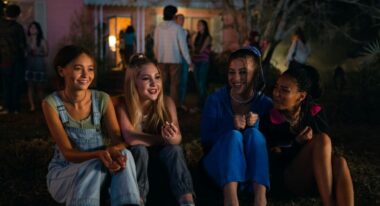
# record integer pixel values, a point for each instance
(171, 156)
(200, 77)
(183, 82)
(12, 79)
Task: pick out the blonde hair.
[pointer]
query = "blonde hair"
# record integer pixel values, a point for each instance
(157, 113)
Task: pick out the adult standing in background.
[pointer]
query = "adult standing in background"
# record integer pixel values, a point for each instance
(180, 20)
(35, 73)
(201, 59)
(122, 48)
(169, 47)
(299, 51)
(12, 57)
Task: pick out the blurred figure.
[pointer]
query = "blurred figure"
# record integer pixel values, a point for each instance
(298, 51)
(122, 48)
(180, 20)
(12, 58)
(130, 42)
(35, 73)
(253, 40)
(149, 43)
(200, 57)
(169, 47)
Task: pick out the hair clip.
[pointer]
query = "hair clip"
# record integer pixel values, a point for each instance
(140, 56)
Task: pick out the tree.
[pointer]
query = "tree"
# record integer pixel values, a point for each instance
(357, 20)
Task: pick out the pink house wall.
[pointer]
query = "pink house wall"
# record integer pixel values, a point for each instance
(58, 16)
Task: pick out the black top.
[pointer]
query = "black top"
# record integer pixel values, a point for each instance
(277, 130)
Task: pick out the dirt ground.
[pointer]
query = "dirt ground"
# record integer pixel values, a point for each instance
(26, 149)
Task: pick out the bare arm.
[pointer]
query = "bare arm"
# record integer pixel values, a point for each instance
(59, 135)
(131, 136)
(111, 157)
(172, 133)
(113, 129)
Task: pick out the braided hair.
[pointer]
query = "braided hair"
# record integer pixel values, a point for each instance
(308, 80)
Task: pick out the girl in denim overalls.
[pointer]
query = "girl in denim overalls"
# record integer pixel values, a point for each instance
(83, 166)
(149, 123)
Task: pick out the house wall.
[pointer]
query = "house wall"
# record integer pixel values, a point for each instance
(59, 14)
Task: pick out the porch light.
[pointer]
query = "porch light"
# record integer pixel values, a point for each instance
(112, 42)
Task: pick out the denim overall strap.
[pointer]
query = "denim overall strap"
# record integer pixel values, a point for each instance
(96, 116)
(61, 109)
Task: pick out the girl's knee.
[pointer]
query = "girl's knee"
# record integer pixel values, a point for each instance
(340, 164)
(139, 151)
(255, 136)
(126, 152)
(233, 136)
(171, 150)
(322, 141)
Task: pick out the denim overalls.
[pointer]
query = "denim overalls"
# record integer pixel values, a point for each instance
(81, 183)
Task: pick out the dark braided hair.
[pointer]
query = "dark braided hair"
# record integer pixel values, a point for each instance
(307, 79)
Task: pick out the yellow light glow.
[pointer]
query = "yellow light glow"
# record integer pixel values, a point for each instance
(112, 42)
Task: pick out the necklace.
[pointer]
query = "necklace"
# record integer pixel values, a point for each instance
(241, 101)
(72, 101)
(293, 121)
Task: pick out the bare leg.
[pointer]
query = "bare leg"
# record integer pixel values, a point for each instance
(343, 183)
(299, 177)
(313, 162)
(30, 96)
(260, 194)
(322, 167)
(230, 194)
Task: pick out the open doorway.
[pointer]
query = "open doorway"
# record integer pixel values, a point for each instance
(116, 25)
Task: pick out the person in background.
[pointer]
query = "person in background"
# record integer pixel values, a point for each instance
(339, 78)
(149, 123)
(130, 42)
(253, 40)
(83, 166)
(180, 20)
(299, 51)
(35, 73)
(12, 58)
(170, 46)
(235, 150)
(201, 58)
(299, 142)
(122, 48)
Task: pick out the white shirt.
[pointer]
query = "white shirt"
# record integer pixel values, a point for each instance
(170, 43)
